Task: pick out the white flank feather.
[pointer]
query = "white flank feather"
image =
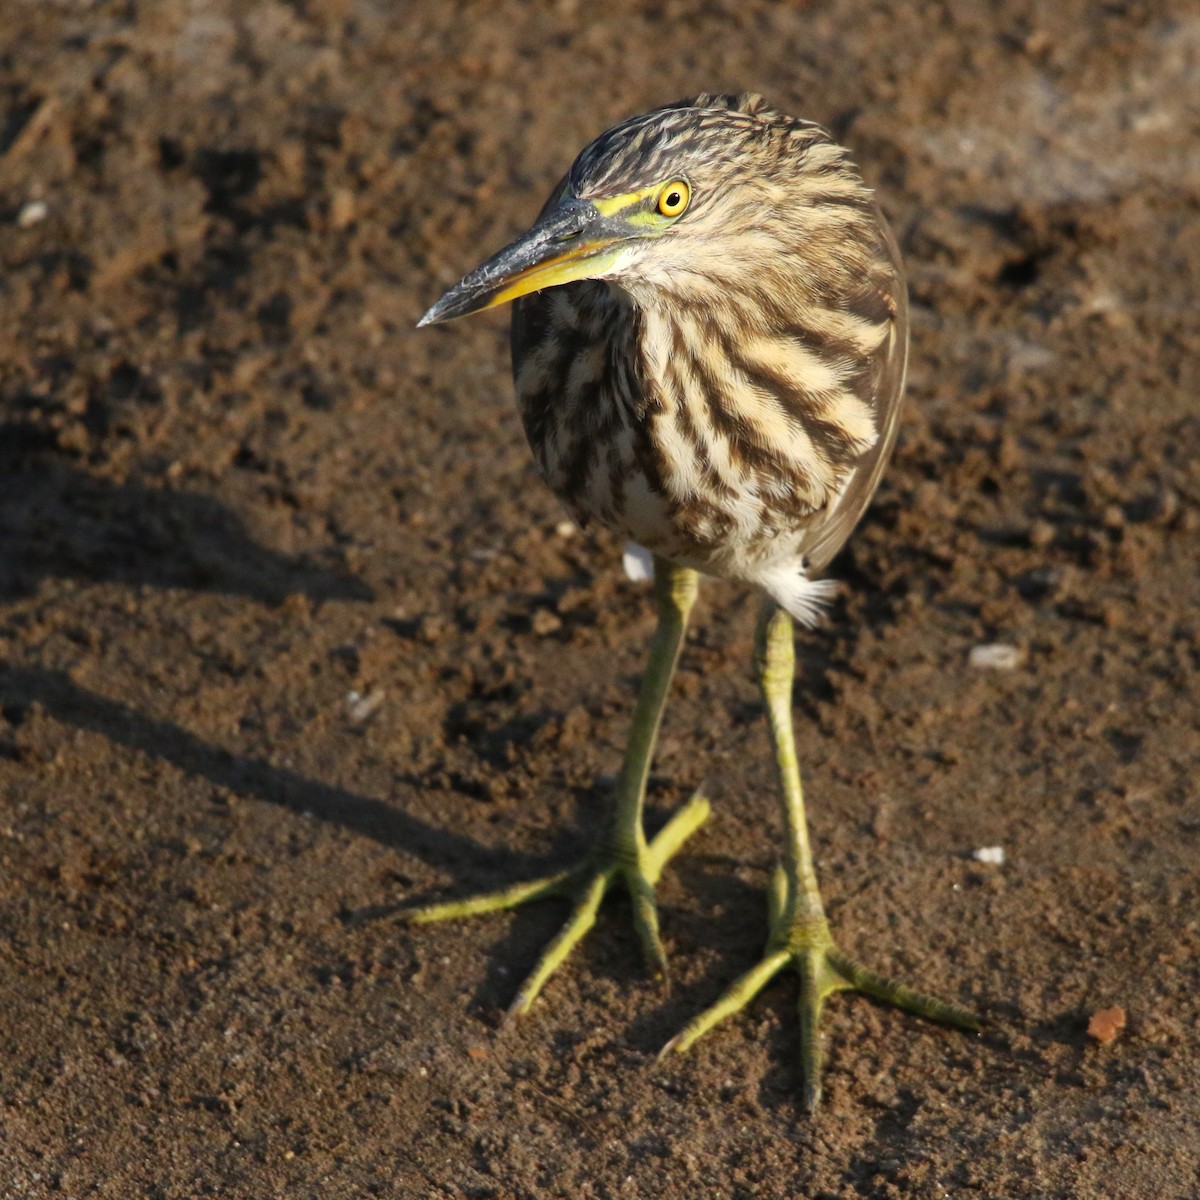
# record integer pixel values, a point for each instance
(638, 563)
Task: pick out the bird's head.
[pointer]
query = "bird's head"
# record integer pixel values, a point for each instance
(685, 197)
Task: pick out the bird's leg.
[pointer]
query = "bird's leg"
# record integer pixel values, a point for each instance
(623, 854)
(799, 937)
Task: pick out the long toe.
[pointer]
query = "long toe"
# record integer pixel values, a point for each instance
(585, 886)
(822, 970)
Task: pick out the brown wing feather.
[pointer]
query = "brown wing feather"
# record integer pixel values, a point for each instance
(837, 523)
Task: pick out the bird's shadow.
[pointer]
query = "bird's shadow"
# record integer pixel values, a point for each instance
(59, 521)
(21, 688)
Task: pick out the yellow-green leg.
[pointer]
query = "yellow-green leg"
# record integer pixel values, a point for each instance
(799, 937)
(624, 855)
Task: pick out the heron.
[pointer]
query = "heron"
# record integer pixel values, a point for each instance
(709, 344)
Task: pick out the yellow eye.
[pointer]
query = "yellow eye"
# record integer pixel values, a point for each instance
(673, 199)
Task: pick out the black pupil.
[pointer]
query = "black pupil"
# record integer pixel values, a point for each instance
(673, 199)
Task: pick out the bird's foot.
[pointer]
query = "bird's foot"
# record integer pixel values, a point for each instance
(800, 940)
(615, 860)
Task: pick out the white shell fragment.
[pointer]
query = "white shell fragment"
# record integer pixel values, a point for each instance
(995, 656)
(360, 708)
(992, 855)
(638, 563)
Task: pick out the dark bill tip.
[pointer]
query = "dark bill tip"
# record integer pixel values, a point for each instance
(565, 245)
(471, 294)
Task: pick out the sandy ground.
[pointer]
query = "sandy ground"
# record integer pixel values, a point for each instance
(290, 633)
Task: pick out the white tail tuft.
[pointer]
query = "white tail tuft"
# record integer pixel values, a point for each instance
(804, 598)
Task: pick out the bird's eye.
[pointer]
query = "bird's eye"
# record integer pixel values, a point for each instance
(673, 199)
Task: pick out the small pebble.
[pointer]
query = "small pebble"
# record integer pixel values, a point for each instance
(32, 213)
(565, 529)
(1106, 1024)
(545, 622)
(993, 855)
(996, 656)
(342, 208)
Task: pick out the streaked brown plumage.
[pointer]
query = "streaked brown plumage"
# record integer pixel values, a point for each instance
(731, 420)
(709, 346)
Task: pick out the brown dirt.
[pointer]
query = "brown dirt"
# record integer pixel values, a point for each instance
(238, 486)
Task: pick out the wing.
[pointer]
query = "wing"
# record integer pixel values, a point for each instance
(834, 526)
